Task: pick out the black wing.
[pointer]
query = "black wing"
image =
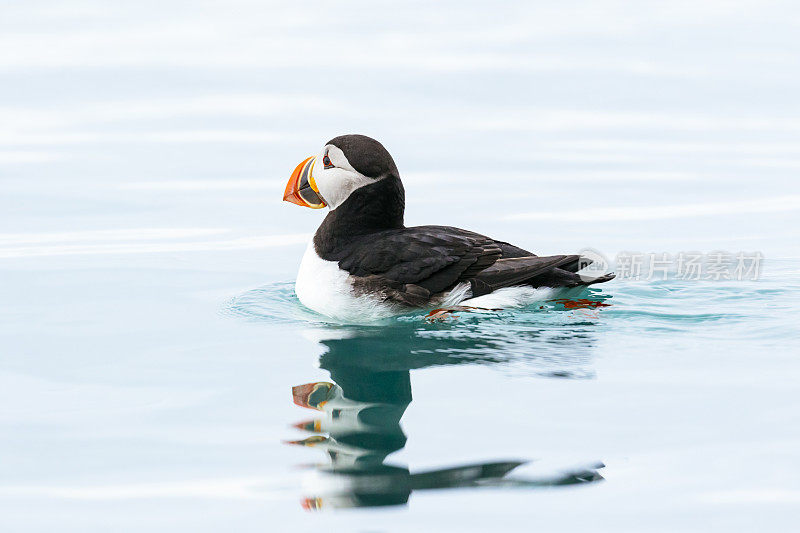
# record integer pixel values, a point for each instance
(411, 265)
(431, 258)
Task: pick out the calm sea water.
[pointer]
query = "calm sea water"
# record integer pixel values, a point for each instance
(158, 374)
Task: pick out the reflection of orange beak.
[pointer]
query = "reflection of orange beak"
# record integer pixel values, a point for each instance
(310, 441)
(302, 189)
(314, 426)
(312, 395)
(311, 504)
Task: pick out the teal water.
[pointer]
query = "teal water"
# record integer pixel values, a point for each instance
(358, 410)
(158, 374)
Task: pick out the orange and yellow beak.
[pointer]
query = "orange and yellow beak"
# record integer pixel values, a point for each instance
(302, 189)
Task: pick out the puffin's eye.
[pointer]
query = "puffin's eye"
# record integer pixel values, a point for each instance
(327, 160)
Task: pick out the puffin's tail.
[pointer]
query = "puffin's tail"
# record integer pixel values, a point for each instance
(565, 275)
(564, 278)
(550, 271)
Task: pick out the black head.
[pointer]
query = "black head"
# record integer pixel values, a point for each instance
(356, 178)
(346, 165)
(366, 155)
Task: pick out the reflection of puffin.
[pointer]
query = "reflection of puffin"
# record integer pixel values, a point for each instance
(361, 416)
(363, 262)
(362, 422)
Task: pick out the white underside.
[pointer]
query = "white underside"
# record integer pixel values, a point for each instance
(510, 297)
(325, 288)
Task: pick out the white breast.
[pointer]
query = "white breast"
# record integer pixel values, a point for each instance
(325, 288)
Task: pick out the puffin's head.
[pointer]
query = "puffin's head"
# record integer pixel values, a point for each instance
(345, 164)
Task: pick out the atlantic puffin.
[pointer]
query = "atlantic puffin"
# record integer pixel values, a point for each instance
(364, 263)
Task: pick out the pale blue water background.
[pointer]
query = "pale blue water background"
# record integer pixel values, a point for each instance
(149, 339)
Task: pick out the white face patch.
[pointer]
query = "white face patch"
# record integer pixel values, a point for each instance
(338, 183)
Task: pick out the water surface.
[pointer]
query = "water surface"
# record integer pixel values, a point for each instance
(158, 374)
